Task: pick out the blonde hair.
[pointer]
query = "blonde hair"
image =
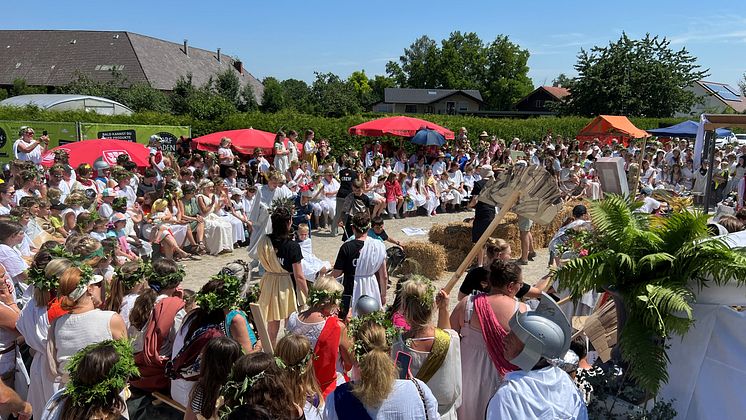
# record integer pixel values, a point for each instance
(328, 284)
(158, 205)
(275, 176)
(417, 301)
(377, 370)
(69, 281)
(495, 246)
(293, 349)
(303, 228)
(84, 246)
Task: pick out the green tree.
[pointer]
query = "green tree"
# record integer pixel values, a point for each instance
(20, 87)
(143, 97)
(204, 104)
(274, 95)
(297, 95)
(183, 90)
(420, 64)
(378, 86)
(507, 78)
(248, 101)
(562, 80)
(499, 70)
(634, 77)
(363, 88)
(333, 97)
(463, 62)
(228, 86)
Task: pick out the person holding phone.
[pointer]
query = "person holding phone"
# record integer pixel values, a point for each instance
(30, 149)
(378, 393)
(434, 353)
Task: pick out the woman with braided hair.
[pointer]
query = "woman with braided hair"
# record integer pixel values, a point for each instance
(283, 287)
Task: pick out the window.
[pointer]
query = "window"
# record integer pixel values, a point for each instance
(539, 103)
(450, 108)
(110, 67)
(429, 109)
(410, 109)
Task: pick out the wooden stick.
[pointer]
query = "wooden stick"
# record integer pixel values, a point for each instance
(160, 398)
(477, 248)
(261, 326)
(564, 300)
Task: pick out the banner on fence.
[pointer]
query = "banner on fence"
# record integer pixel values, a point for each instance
(136, 133)
(58, 132)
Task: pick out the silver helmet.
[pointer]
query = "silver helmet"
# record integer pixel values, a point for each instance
(366, 305)
(100, 166)
(545, 333)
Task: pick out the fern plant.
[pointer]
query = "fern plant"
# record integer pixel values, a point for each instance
(655, 264)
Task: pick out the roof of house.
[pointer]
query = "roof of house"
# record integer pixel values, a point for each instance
(725, 93)
(54, 57)
(424, 96)
(557, 92)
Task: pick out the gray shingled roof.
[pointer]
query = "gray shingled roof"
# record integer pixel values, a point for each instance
(52, 58)
(423, 96)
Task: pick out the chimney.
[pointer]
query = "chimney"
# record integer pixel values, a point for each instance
(186, 48)
(219, 61)
(238, 65)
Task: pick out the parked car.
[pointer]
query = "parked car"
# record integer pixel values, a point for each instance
(741, 139)
(722, 141)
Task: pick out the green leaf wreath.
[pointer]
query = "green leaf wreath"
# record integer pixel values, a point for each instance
(228, 298)
(380, 318)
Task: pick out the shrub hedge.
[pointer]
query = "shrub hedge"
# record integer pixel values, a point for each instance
(334, 129)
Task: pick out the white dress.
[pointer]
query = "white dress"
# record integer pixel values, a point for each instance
(237, 230)
(218, 232)
(311, 263)
(329, 204)
(282, 163)
(445, 384)
(33, 324)
(180, 388)
(73, 332)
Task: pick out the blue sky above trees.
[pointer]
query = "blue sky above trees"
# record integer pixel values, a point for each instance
(292, 39)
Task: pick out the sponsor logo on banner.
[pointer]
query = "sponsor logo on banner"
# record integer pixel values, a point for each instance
(168, 141)
(110, 156)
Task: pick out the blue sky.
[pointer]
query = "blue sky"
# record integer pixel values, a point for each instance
(292, 39)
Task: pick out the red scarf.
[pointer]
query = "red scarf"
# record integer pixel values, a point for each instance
(493, 334)
(149, 361)
(327, 352)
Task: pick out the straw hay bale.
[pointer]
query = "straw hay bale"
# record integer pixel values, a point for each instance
(431, 257)
(454, 258)
(437, 233)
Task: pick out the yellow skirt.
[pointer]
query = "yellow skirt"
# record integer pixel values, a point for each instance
(277, 298)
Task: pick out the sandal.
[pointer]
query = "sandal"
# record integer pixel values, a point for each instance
(201, 250)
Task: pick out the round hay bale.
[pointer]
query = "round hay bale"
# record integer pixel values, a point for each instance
(454, 258)
(457, 236)
(431, 257)
(409, 266)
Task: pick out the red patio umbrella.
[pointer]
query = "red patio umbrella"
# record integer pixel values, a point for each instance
(397, 126)
(243, 141)
(89, 151)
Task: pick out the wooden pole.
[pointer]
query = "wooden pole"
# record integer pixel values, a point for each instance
(477, 248)
(261, 326)
(639, 169)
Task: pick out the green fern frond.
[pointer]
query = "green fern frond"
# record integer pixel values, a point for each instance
(645, 355)
(651, 262)
(682, 228)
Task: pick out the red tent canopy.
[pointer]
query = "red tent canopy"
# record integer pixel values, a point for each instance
(607, 127)
(243, 141)
(107, 150)
(397, 126)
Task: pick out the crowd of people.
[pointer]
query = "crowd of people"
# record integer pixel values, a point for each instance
(90, 262)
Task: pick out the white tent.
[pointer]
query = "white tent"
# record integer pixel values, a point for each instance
(61, 102)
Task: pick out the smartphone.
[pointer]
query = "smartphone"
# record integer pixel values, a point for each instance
(44, 133)
(344, 308)
(403, 360)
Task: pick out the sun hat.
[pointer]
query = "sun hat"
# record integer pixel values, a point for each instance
(236, 191)
(483, 134)
(485, 171)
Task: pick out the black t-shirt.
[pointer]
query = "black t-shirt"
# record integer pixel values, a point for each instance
(346, 261)
(346, 177)
(478, 279)
(288, 252)
(482, 211)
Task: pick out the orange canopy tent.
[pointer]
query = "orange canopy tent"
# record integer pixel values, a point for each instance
(607, 127)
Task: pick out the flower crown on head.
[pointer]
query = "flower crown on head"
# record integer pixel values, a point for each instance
(116, 379)
(130, 280)
(379, 318)
(157, 281)
(317, 297)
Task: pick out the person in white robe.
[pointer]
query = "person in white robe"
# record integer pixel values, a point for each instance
(313, 266)
(259, 214)
(329, 196)
(537, 342)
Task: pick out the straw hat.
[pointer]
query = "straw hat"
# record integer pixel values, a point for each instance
(483, 134)
(485, 171)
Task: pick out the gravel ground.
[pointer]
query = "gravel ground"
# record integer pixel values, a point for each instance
(325, 247)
